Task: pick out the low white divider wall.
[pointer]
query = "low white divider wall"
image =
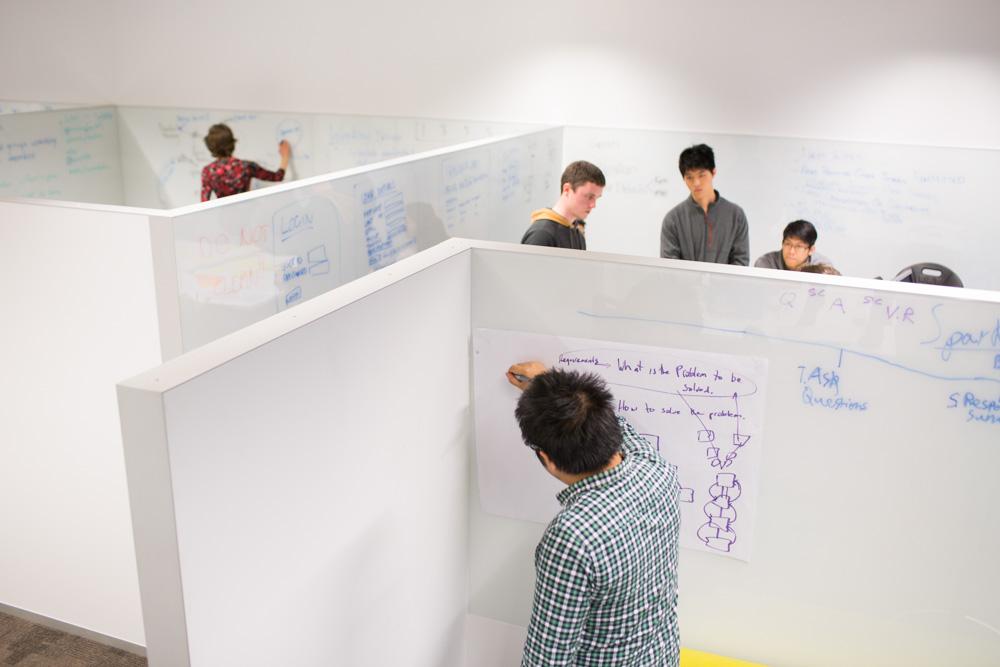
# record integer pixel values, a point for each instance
(244, 258)
(116, 270)
(79, 313)
(303, 482)
(315, 467)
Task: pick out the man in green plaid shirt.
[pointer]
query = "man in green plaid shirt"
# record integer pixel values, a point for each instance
(606, 567)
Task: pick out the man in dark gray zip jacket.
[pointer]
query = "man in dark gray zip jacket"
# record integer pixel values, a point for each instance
(704, 227)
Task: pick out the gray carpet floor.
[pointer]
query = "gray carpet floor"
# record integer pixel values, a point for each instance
(28, 645)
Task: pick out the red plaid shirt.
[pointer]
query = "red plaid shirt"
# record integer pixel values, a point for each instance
(229, 176)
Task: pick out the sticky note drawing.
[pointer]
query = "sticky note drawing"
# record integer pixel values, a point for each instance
(702, 411)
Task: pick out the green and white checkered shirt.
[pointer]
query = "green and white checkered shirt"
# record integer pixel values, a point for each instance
(606, 568)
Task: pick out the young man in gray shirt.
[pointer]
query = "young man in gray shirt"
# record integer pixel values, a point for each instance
(704, 227)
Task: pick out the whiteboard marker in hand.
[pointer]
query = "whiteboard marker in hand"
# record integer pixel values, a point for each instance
(521, 374)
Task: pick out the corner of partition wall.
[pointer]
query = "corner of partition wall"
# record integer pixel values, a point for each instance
(168, 310)
(154, 528)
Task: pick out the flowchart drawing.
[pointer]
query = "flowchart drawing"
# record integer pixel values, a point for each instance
(718, 532)
(701, 411)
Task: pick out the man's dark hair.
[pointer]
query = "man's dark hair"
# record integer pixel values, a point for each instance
(579, 173)
(802, 230)
(697, 157)
(220, 140)
(571, 417)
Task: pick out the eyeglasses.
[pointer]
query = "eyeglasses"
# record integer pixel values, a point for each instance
(796, 247)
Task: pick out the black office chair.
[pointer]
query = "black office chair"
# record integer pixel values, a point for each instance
(929, 273)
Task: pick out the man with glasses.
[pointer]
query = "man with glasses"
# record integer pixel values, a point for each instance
(797, 246)
(606, 566)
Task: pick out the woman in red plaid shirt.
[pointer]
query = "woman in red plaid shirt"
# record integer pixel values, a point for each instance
(228, 175)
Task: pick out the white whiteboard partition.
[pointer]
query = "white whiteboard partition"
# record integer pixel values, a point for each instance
(163, 149)
(874, 482)
(325, 499)
(69, 155)
(80, 313)
(243, 259)
(869, 544)
(55, 249)
(878, 207)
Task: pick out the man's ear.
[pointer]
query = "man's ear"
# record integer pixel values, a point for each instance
(567, 188)
(547, 462)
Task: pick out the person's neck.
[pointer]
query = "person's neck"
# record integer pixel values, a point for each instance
(559, 208)
(708, 201)
(573, 479)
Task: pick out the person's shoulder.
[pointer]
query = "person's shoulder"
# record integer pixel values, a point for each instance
(769, 260)
(722, 202)
(675, 213)
(567, 531)
(540, 233)
(635, 443)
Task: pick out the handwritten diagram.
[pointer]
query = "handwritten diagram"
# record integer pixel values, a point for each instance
(466, 188)
(956, 346)
(702, 411)
(308, 247)
(383, 214)
(246, 263)
(69, 154)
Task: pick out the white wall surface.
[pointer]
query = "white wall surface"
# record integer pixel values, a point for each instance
(78, 315)
(923, 72)
(57, 51)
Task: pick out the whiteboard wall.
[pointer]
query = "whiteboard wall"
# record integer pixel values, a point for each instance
(68, 155)
(878, 452)
(240, 260)
(878, 207)
(20, 106)
(163, 149)
(872, 541)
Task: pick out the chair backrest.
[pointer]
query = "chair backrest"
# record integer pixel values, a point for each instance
(929, 273)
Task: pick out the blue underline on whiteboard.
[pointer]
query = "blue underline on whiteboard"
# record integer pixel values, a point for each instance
(757, 334)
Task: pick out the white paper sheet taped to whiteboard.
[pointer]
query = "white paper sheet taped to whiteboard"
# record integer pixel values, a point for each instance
(702, 411)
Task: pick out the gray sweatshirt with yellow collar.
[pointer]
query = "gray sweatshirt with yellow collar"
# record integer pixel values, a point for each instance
(548, 228)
